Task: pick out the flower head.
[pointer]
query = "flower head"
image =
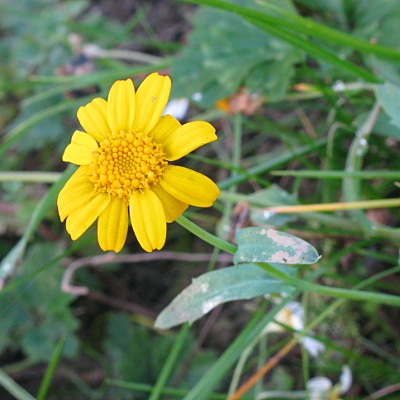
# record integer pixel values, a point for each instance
(124, 169)
(292, 315)
(322, 388)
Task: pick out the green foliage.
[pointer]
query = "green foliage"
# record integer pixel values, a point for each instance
(389, 98)
(39, 47)
(135, 354)
(268, 245)
(36, 315)
(210, 64)
(327, 79)
(217, 287)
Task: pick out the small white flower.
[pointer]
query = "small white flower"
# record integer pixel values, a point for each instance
(293, 315)
(321, 388)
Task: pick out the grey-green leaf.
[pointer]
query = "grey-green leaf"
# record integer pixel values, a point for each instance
(214, 288)
(388, 96)
(269, 245)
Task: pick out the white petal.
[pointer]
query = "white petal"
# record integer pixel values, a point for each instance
(319, 384)
(297, 315)
(346, 379)
(313, 346)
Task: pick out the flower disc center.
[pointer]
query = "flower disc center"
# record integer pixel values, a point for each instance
(127, 163)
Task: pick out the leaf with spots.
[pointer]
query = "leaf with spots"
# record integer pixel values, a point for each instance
(214, 288)
(269, 245)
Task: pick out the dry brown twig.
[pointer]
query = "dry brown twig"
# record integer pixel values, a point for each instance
(107, 258)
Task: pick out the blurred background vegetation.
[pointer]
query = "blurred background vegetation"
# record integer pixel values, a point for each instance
(305, 96)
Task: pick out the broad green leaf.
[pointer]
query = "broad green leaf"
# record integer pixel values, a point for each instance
(290, 32)
(383, 126)
(377, 21)
(388, 96)
(214, 288)
(226, 52)
(139, 347)
(271, 246)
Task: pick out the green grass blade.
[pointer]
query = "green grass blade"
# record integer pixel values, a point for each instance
(12, 387)
(167, 391)
(170, 363)
(316, 51)
(66, 83)
(44, 387)
(307, 26)
(263, 21)
(273, 162)
(323, 32)
(223, 365)
(15, 134)
(382, 174)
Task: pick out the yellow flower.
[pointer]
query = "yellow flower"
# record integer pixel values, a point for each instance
(124, 167)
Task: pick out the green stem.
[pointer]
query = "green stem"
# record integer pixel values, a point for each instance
(23, 176)
(240, 367)
(339, 302)
(167, 391)
(349, 294)
(383, 174)
(352, 186)
(237, 146)
(169, 364)
(205, 386)
(206, 236)
(44, 387)
(13, 388)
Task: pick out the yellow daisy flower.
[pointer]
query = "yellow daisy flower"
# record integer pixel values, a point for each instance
(124, 167)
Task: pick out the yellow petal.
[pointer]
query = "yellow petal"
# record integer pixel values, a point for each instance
(76, 193)
(173, 208)
(148, 220)
(80, 150)
(93, 118)
(189, 186)
(80, 220)
(112, 226)
(164, 128)
(121, 106)
(187, 138)
(151, 99)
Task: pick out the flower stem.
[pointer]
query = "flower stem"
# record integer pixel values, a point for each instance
(23, 176)
(206, 236)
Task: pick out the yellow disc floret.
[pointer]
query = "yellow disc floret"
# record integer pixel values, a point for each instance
(126, 163)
